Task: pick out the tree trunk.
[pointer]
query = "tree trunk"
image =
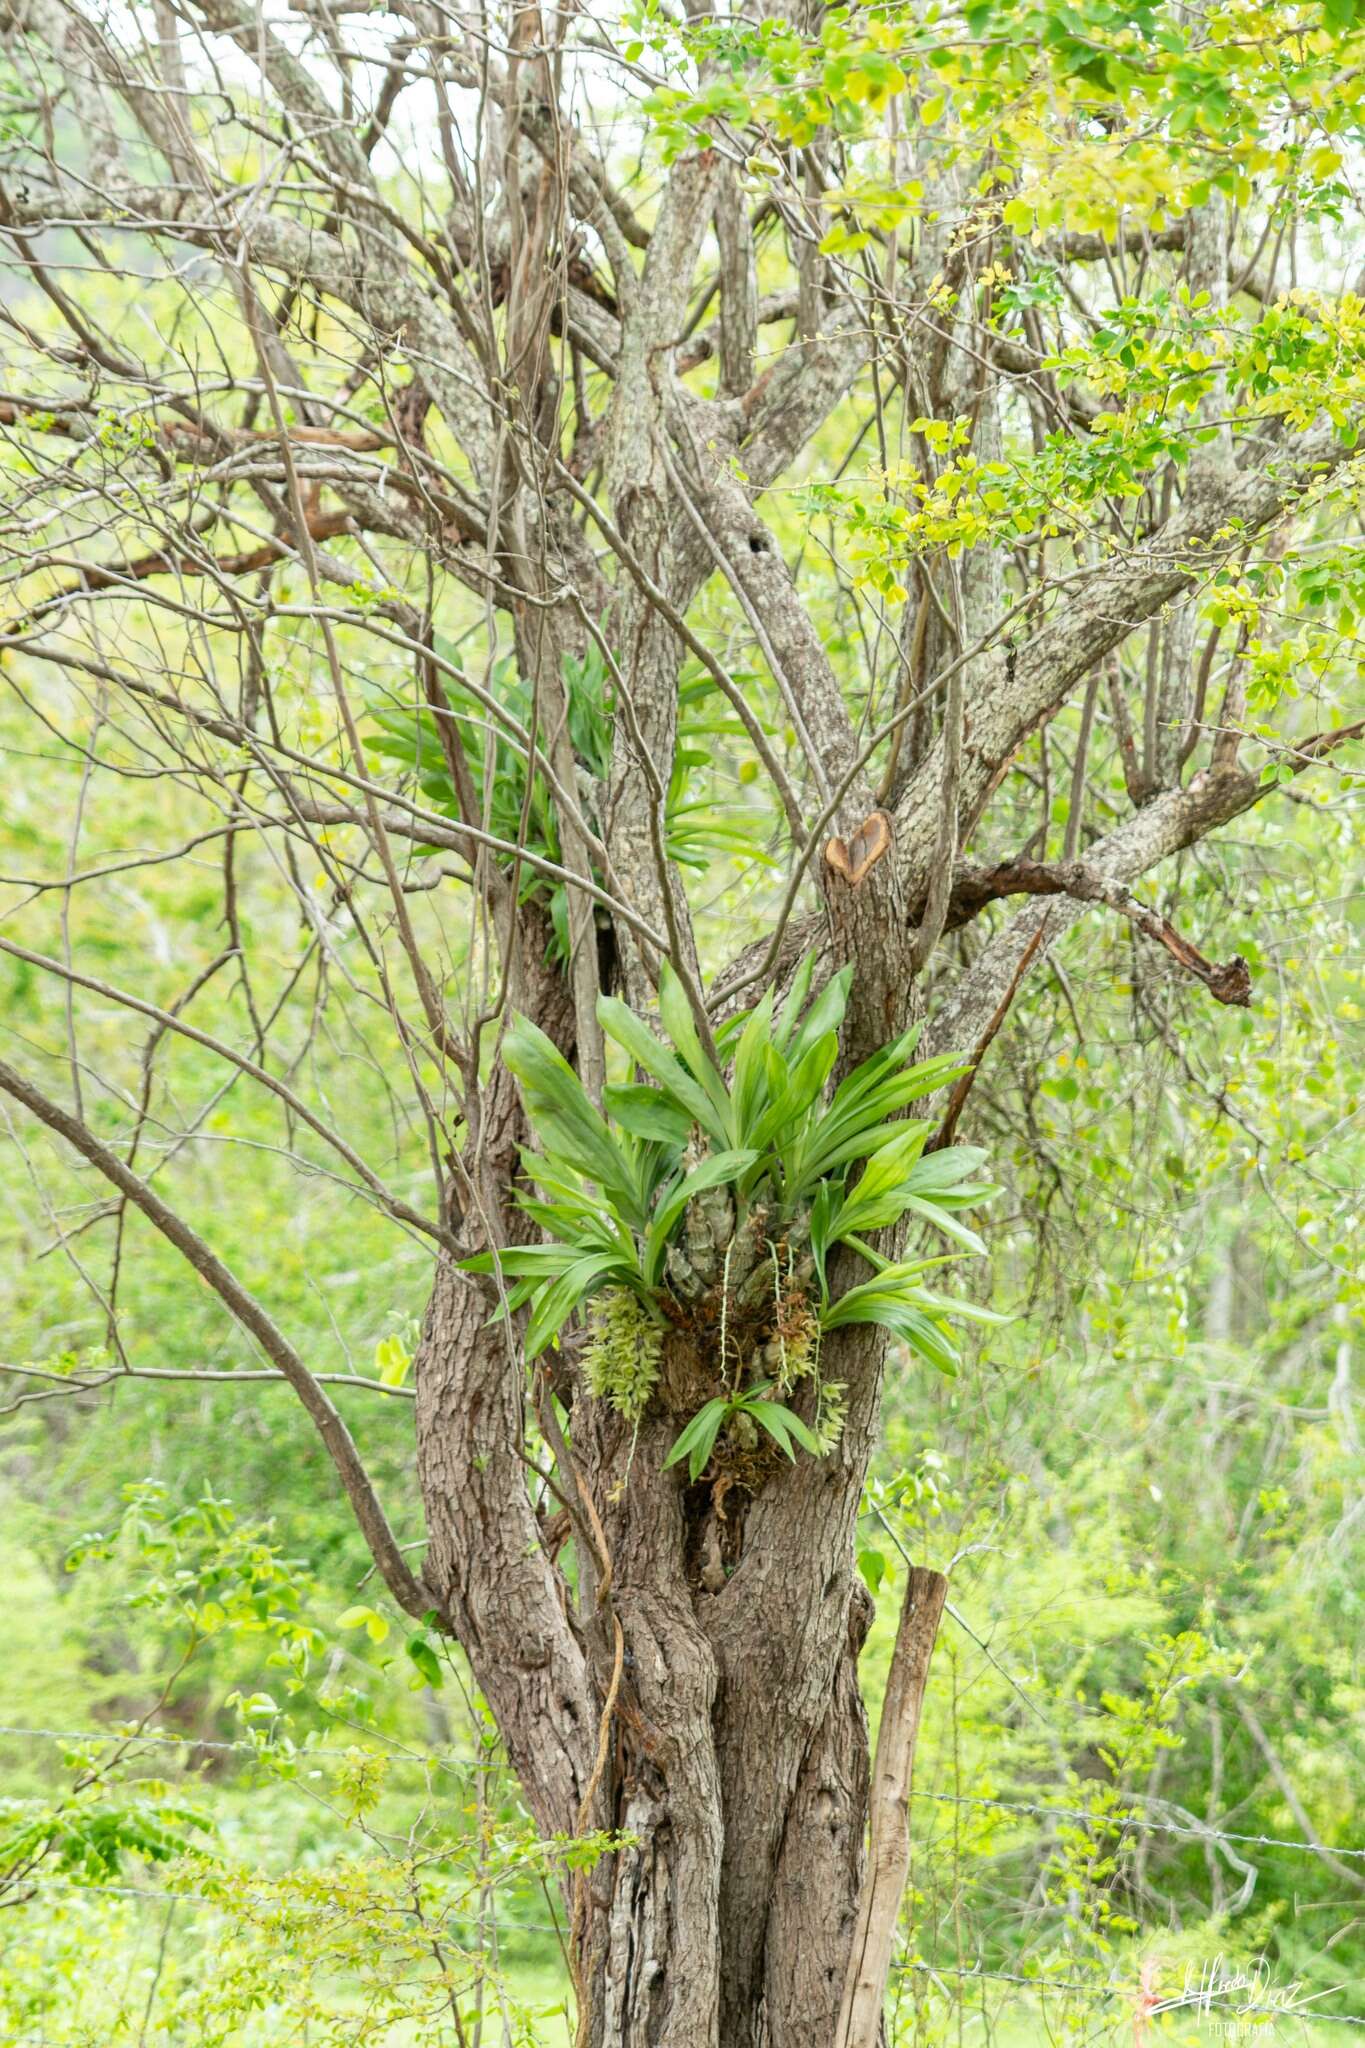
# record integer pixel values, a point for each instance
(700, 1695)
(735, 1750)
(683, 1949)
(740, 1764)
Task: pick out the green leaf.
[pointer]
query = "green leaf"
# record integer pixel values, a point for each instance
(857, 1121)
(826, 1013)
(558, 1109)
(950, 1225)
(647, 1113)
(804, 1086)
(882, 1193)
(635, 1038)
(782, 1424)
(374, 1625)
(796, 998)
(675, 1014)
(698, 1439)
(259, 1706)
(825, 1207)
(895, 1302)
(392, 1360)
(937, 1172)
(558, 1301)
(426, 1660)
(750, 1074)
(872, 1566)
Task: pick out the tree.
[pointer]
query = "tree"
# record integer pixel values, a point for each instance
(449, 454)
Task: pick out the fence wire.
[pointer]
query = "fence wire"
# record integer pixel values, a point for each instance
(1198, 1831)
(1128, 1994)
(1040, 1985)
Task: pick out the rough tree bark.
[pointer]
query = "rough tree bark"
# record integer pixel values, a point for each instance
(539, 439)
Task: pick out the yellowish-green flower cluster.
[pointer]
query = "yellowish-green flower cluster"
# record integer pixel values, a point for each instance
(622, 1356)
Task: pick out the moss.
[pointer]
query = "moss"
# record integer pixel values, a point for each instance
(623, 1350)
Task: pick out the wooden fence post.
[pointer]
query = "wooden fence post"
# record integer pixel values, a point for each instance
(888, 1858)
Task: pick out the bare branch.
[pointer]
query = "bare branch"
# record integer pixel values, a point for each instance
(412, 1596)
(1229, 982)
(168, 1020)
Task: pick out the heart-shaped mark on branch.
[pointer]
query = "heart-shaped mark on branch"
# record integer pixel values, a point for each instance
(855, 858)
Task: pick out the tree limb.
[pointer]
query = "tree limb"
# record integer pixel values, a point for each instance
(409, 1592)
(1229, 982)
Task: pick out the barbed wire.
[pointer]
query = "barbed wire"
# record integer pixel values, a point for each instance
(1199, 1831)
(298, 1754)
(355, 1908)
(1203, 2000)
